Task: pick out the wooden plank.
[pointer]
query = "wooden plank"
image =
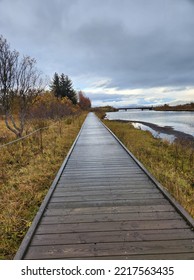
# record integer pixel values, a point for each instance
(97, 191)
(89, 170)
(158, 256)
(109, 210)
(133, 177)
(80, 218)
(111, 236)
(103, 203)
(82, 170)
(111, 249)
(102, 174)
(97, 197)
(98, 185)
(116, 226)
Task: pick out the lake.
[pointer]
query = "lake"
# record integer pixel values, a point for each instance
(179, 121)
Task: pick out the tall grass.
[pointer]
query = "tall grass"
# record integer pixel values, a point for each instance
(172, 164)
(27, 169)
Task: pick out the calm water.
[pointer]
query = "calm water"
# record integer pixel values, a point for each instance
(181, 121)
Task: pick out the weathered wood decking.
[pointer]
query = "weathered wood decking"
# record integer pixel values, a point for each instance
(103, 205)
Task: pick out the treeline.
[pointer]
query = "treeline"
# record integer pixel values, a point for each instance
(184, 107)
(104, 109)
(101, 111)
(23, 96)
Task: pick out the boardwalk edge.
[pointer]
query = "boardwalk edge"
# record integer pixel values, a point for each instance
(169, 197)
(27, 238)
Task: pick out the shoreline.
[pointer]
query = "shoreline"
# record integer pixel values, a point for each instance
(166, 129)
(173, 110)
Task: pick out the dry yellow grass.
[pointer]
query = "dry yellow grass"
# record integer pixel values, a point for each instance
(5, 134)
(27, 170)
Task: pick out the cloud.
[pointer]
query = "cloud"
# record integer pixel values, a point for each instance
(150, 96)
(123, 45)
(101, 83)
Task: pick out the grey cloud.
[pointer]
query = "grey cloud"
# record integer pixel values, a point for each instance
(133, 44)
(174, 89)
(111, 97)
(123, 100)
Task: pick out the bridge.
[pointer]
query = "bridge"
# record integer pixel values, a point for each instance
(135, 108)
(104, 204)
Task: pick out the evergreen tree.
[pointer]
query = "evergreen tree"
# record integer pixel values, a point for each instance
(62, 87)
(66, 87)
(55, 86)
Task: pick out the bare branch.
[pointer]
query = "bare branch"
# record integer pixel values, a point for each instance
(20, 83)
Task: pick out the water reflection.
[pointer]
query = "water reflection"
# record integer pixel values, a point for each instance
(155, 133)
(180, 121)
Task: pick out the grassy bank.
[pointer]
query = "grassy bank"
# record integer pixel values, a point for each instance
(27, 169)
(171, 164)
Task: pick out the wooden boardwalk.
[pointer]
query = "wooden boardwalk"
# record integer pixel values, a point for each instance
(104, 205)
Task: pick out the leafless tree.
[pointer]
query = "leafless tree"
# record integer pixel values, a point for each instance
(20, 83)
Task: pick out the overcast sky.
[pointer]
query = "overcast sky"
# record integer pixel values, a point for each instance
(119, 52)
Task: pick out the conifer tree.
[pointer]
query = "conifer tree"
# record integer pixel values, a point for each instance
(55, 86)
(62, 87)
